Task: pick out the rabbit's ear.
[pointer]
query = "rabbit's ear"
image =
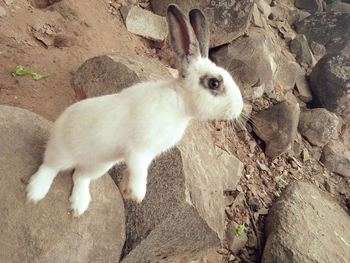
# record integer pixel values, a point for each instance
(182, 37)
(201, 30)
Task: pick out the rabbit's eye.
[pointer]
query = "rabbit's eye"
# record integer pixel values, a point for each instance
(213, 83)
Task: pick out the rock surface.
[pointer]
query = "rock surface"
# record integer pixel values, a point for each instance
(300, 47)
(330, 83)
(317, 49)
(311, 6)
(290, 75)
(117, 71)
(306, 225)
(336, 157)
(144, 23)
(338, 7)
(251, 60)
(227, 19)
(183, 211)
(47, 231)
(319, 126)
(277, 127)
(2, 11)
(328, 28)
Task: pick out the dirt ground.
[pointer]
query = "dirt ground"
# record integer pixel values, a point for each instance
(57, 39)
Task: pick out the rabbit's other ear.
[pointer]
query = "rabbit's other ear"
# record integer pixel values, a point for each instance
(182, 38)
(201, 30)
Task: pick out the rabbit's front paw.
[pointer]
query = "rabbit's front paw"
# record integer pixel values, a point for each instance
(133, 190)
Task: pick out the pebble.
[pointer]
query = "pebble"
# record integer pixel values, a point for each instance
(249, 169)
(254, 203)
(262, 167)
(8, 2)
(2, 12)
(306, 155)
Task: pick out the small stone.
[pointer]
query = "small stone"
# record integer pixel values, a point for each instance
(300, 47)
(277, 126)
(231, 258)
(304, 92)
(305, 155)
(263, 211)
(145, 23)
(2, 11)
(264, 8)
(262, 167)
(8, 2)
(296, 15)
(249, 169)
(317, 49)
(254, 203)
(318, 125)
(336, 157)
(257, 17)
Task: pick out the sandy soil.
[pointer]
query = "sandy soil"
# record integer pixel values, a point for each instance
(56, 40)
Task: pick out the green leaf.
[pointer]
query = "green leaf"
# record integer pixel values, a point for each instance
(20, 71)
(37, 76)
(239, 231)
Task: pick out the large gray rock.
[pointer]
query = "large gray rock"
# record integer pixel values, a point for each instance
(338, 7)
(336, 157)
(144, 23)
(328, 28)
(183, 212)
(227, 19)
(117, 71)
(277, 127)
(306, 225)
(311, 6)
(251, 60)
(330, 84)
(47, 231)
(319, 126)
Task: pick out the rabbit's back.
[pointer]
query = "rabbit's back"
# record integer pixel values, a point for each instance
(147, 116)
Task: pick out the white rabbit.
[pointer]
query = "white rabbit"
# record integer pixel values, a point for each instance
(140, 122)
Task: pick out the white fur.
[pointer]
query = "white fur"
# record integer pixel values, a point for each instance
(133, 126)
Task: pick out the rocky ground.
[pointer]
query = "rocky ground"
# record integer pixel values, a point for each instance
(284, 167)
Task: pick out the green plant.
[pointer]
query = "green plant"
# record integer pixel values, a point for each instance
(19, 71)
(240, 229)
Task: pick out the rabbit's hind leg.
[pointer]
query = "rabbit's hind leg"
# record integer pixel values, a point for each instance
(83, 175)
(134, 182)
(40, 182)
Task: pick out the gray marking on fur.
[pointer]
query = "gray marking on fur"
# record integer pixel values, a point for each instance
(204, 81)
